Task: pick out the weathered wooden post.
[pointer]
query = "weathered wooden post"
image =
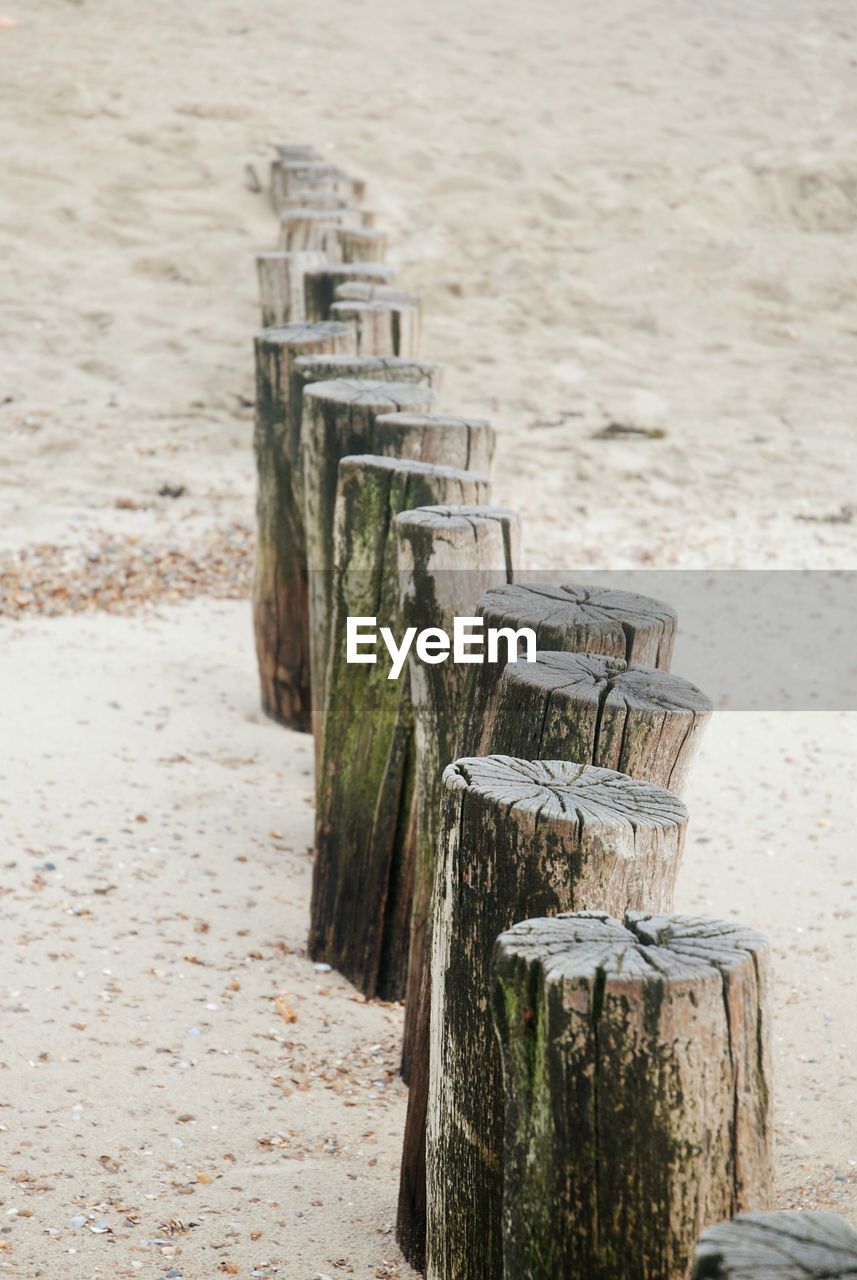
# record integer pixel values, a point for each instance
(571, 618)
(298, 177)
(576, 619)
(320, 283)
(448, 556)
(281, 284)
(518, 839)
(381, 328)
(797, 1245)
(306, 227)
(363, 872)
(636, 1068)
(280, 575)
(598, 710)
(361, 245)
(338, 419)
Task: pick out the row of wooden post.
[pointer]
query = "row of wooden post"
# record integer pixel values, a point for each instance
(588, 1072)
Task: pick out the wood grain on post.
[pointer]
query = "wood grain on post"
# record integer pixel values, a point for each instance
(320, 284)
(299, 177)
(797, 1245)
(573, 619)
(598, 710)
(636, 1065)
(448, 556)
(363, 872)
(281, 284)
(361, 245)
(280, 582)
(381, 328)
(518, 839)
(306, 227)
(338, 419)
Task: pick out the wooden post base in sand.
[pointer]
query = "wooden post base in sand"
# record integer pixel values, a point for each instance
(636, 1071)
(518, 839)
(363, 872)
(280, 619)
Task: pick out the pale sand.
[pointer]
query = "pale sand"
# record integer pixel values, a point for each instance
(614, 214)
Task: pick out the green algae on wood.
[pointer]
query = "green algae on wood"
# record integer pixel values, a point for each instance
(631, 1118)
(518, 839)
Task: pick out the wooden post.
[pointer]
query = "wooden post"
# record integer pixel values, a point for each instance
(636, 1066)
(280, 575)
(798, 1245)
(570, 618)
(320, 283)
(363, 873)
(361, 245)
(598, 710)
(448, 556)
(382, 328)
(518, 839)
(281, 284)
(299, 177)
(338, 419)
(310, 227)
(574, 619)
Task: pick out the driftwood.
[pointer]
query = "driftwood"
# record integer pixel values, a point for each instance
(280, 576)
(573, 618)
(636, 1066)
(448, 556)
(363, 873)
(338, 419)
(518, 839)
(361, 245)
(778, 1246)
(281, 284)
(597, 710)
(320, 284)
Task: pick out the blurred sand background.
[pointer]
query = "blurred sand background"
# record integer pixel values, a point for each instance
(615, 214)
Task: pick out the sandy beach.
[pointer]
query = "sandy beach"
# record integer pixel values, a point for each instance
(634, 234)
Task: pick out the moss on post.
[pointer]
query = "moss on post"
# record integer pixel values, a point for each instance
(636, 1072)
(518, 839)
(363, 872)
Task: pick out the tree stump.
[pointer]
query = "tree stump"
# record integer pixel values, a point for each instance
(597, 710)
(448, 556)
(338, 419)
(281, 284)
(636, 1065)
(363, 872)
(321, 282)
(361, 245)
(518, 839)
(280, 576)
(309, 227)
(778, 1246)
(574, 619)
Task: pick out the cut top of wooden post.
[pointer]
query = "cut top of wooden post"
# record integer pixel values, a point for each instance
(782, 1245)
(467, 443)
(582, 618)
(365, 291)
(536, 793)
(592, 708)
